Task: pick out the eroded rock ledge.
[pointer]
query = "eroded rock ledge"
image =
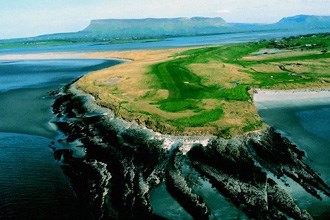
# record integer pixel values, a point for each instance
(123, 162)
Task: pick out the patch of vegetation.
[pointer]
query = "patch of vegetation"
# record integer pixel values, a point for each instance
(11, 44)
(187, 89)
(200, 119)
(226, 53)
(270, 79)
(306, 42)
(237, 93)
(208, 89)
(175, 105)
(115, 90)
(185, 86)
(252, 125)
(296, 58)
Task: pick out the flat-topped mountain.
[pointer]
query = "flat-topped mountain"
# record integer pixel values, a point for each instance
(155, 27)
(162, 27)
(172, 27)
(126, 30)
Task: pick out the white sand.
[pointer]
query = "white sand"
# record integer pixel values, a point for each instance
(291, 97)
(43, 56)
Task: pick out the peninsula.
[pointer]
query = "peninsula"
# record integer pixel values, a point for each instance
(206, 90)
(203, 130)
(165, 117)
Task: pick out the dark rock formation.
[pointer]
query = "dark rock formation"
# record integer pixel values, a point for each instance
(180, 190)
(123, 162)
(281, 157)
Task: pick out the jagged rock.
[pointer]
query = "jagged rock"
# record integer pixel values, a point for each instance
(135, 161)
(180, 190)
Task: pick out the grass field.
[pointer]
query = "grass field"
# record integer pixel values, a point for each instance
(208, 89)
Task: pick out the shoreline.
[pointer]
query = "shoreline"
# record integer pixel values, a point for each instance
(291, 98)
(108, 138)
(170, 147)
(125, 157)
(42, 56)
(186, 141)
(282, 98)
(59, 55)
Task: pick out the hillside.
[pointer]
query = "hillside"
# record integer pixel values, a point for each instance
(169, 27)
(155, 27)
(304, 21)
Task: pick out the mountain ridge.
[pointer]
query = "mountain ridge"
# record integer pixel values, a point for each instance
(154, 27)
(309, 21)
(196, 26)
(123, 30)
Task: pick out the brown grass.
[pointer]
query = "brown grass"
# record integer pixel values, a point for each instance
(293, 53)
(221, 73)
(127, 90)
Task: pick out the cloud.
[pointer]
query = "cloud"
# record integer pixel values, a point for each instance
(222, 11)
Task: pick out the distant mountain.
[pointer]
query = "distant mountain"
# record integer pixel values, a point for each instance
(304, 21)
(155, 27)
(125, 30)
(171, 27)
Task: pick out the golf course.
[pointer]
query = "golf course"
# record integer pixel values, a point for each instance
(207, 90)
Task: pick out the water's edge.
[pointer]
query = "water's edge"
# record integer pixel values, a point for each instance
(125, 162)
(32, 183)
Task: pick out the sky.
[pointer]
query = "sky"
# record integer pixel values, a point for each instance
(25, 18)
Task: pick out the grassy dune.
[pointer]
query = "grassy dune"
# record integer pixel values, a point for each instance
(209, 89)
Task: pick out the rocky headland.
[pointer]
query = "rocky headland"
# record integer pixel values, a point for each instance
(113, 165)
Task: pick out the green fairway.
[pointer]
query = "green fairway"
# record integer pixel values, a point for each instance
(186, 88)
(200, 119)
(209, 89)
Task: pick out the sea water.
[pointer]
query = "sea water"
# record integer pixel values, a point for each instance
(217, 39)
(307, 124)
(32, 184)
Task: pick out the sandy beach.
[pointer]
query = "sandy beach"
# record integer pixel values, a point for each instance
(42, 56)
(292, 97)
(130, 72)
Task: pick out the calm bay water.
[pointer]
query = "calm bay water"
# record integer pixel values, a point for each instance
(307, 125)
(32, 184)
(170, 42)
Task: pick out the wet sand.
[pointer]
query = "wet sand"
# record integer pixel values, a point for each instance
(293, 97)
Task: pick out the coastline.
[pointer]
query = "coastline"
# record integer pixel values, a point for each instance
(275, 97)
(60, 55)
(108, 138)
(185, 141)
(114, 154)
(172, 149)
(42, 56)
(291, 98)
